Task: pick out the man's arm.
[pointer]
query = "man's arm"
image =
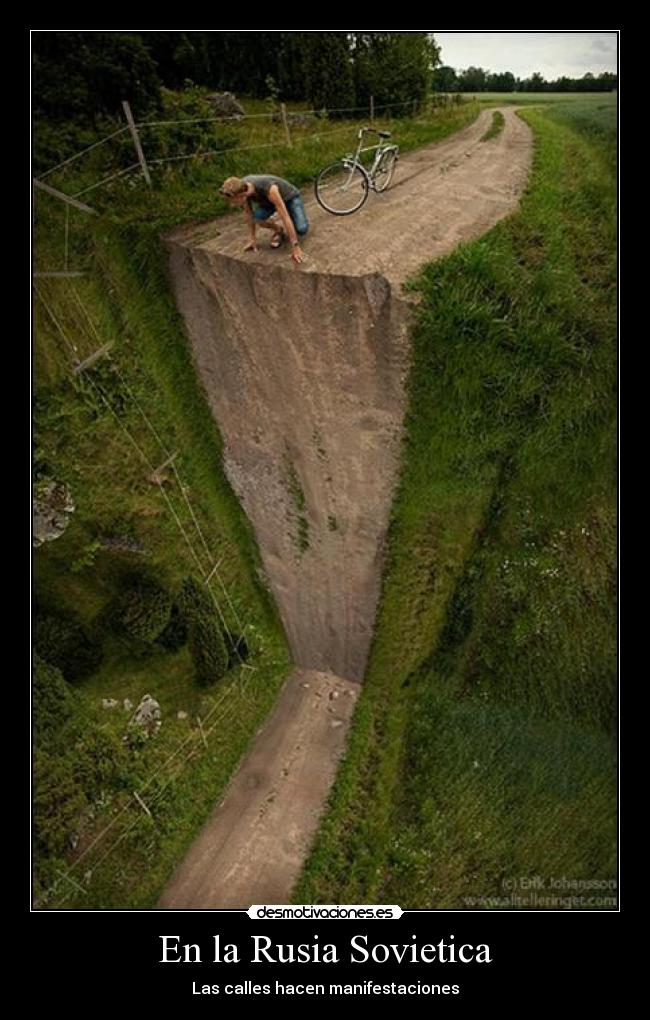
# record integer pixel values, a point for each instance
(283, 213)
(250, 219)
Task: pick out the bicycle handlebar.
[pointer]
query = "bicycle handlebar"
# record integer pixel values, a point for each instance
(382, 134)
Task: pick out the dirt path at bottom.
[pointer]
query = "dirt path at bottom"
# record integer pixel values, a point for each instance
(254, 845)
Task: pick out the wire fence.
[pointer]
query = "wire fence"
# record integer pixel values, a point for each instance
(287, 121)
(143, 799)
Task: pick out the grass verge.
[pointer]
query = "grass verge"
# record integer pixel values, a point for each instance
(483, 746)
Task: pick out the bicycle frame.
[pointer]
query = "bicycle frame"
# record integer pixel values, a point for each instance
(352, 159)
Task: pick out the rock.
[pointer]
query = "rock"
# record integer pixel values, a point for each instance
(147, 716)
(297, 119)
(52, 507)
(224, 104)
(306, 685)
(109, 703)
(335, 723)
(128, 704)
(333, 695)
(181, 715)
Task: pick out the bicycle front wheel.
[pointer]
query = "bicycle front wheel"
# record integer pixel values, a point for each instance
(341, 189)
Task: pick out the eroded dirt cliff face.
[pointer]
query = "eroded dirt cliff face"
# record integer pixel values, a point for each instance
(305, 374)
(305, 366)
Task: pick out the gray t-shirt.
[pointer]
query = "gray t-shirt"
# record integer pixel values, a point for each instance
(262, 183)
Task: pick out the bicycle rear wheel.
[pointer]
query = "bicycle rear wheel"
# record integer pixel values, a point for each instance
(385, 170)
(341, 189)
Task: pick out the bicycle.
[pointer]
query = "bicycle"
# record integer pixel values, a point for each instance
(342, 187)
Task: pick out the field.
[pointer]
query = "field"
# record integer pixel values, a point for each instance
(537, 98)
(483, 750)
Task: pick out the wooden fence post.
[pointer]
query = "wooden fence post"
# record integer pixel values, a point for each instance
(285, 122)
(64, 198)
(136, 141)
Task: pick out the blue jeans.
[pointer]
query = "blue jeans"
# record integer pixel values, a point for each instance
(296, 211)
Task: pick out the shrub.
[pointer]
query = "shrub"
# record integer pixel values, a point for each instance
(59, 802)
(143, 612)
(174, 636)
(208, 650)
(62, 642)
(101, 759)
(53, 701)
(194, 601)
(205, 637)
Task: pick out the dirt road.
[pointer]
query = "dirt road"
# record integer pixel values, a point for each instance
(441, 195)
(254, 845)
(305, 368)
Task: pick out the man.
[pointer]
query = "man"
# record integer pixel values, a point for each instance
(269, 202)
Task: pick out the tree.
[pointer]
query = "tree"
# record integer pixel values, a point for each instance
(328, 70)
(504, 82)
(290, 74)
(444, 79)
(53, 701)
(205, 639)
(473, 79)
(394, 67)
(143, 610)
(208, 650)
(536, 83)
(78, 75)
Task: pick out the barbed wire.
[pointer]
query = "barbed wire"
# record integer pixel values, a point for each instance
(202, 570)
(120, 173)
(83, 152)
(293, 114)
(198, 734)
(193, 734)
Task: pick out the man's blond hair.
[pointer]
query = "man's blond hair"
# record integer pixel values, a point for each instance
(232, 186)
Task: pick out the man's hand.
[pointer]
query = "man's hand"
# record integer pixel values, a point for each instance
(251, 246)
(297, 254)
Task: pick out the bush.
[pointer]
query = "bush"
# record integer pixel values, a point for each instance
(205, 637)
(194, 601)
(62, 642)
(53, 701)
(143, 612)
(74, 768)
(59, 802)
(208, 650)
(174, 636)
(101, 759)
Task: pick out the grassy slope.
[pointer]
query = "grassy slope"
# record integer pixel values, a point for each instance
(483, 744)
(126, 300)
(80, 442)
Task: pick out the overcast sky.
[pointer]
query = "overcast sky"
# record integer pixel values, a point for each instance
(553, 54)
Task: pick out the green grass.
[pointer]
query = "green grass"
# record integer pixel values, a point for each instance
(537, 98)
(188, 189)
(498, 121)
(125, 300)
(483, 746)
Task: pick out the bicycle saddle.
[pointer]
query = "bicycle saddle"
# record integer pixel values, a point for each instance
(384, 134)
